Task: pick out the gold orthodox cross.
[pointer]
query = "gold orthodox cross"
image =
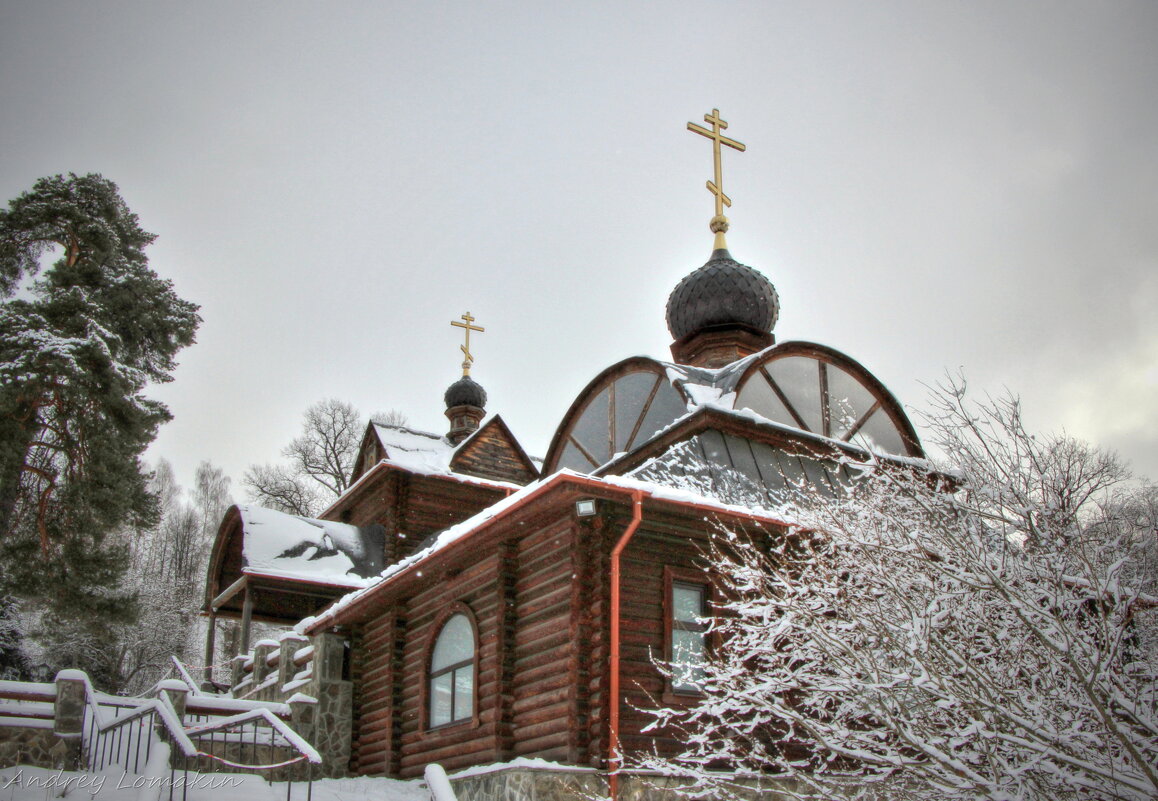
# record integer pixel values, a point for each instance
(719, 224)
(467, 358)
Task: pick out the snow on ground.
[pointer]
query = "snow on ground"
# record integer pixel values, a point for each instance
(39, 784)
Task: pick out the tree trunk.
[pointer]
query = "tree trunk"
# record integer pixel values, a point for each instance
(17, 429)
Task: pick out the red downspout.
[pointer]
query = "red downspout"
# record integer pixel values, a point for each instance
(613, 761)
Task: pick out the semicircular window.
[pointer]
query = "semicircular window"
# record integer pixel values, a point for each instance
(622, 414)
(825, 398)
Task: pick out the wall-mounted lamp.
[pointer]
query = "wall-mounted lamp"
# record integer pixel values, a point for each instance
(585, 507)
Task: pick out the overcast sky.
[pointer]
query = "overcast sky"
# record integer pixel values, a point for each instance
(930, 186)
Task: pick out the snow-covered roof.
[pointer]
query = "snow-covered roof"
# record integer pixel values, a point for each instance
(282, 545)
(457, 532)
(426, 453)
(419, 451)
(705, 384)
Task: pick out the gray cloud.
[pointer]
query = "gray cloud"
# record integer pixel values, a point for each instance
(929, 186)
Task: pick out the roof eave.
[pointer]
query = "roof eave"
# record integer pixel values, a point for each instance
(623, 487)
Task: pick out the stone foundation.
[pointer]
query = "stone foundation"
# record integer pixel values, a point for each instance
(549, 784)
(39, 748)
(530, 784)
(45, 740)
(327, 722)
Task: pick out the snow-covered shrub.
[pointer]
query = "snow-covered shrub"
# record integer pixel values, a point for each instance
(987, 639)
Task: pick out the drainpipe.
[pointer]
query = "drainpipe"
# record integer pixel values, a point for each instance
(613, 758)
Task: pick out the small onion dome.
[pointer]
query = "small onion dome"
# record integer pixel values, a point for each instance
(722, 294)
(465, 392)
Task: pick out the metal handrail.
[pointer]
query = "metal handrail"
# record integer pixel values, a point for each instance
(291, 737)
(102, 728)
(144, 732)
(183, 672)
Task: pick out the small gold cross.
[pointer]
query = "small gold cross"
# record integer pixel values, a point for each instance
(719, 223)
(467, 358)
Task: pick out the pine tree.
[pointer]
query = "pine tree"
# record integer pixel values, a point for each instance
(79, 341)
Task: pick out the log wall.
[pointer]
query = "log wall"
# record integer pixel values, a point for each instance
(543, 693)
(539, 593)
(642, 630)
(491, 453)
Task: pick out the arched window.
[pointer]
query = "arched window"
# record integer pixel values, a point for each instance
(620, 409)
(820, 390)
(452, 672)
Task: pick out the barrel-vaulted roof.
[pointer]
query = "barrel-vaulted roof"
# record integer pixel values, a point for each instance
(800, 386)
(292, 564)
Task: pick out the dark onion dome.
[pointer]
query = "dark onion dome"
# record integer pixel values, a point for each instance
(721, 294)
(465, 392)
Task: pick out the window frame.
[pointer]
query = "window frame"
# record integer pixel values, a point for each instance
(564, 439)
(674, 577)
(828, 358)
(429, 675)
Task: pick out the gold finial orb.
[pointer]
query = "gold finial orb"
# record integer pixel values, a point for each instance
(719, 224)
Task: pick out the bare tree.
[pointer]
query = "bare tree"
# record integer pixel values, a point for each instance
(1030, 483)
(909, 640)
(210, 497)
(167, 575)
(331, 433)
(392, 417)
(319, 461)
(278, 487)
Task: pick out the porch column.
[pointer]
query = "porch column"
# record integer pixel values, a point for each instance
(210, 646)
(246, 618)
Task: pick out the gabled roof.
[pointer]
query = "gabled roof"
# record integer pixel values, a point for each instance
(295, 565)
(493, 452)
(428, 454)
(745, 423)
(408, 448)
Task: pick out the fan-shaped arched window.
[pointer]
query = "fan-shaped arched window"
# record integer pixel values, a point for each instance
(619, 410)
(819, 390)
(452, 672)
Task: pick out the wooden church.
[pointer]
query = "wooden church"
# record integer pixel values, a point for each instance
(482, 605)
